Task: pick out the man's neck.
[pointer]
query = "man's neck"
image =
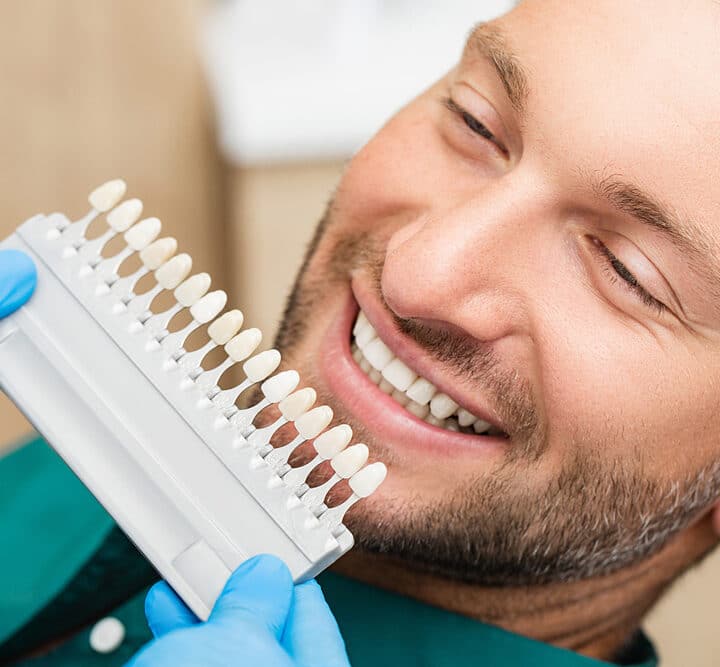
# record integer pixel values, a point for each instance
(594, 617)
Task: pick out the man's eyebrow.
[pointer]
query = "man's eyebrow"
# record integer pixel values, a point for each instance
(489, 42)
(699, 249)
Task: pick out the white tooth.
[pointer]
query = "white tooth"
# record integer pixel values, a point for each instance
(174, 271)
(350, 460)
(434, 421)
(374, 375)
(398, 375)
(192, 289)
(365, 481)
(278, 387)
(360, 322)
(451, 425)
(378, 354)
(333, 441)
(365, 365)
(208, 307)
(442, 406)
(143, 234)
(357, 355)
(386, 387)
(297, 403)
(420, 411)
(158, 252)
(125, 215)
(225, 327)
(421, 391)
(465, 418)
(107, 195)
(481, 426)
(244, 344)
(257, 368)
(365, 336)
(400, 397)
(313, 422)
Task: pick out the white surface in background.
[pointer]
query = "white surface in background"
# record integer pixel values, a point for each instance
(314, 80)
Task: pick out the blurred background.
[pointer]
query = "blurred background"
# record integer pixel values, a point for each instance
(232, 120)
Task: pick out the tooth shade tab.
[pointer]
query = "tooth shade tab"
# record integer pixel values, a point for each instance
(378, 354)
(174, 271)
(398, 375)
(333, 441)
(192, 289)
(350, 460)
(240, 347)
(421, 391)
(125, 216)
(106, 196)
(442, 406)
(312, 423)
(225, 327)
(257, 368)
(298, 403)
(208, 307)
(142, 234)
(158, 252)
(278, 387)
(364, 482)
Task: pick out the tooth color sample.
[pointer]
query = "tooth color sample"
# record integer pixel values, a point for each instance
(107, 195)
(143, 233)
(158, 252)
(244, 344)
(125, 215)
(225, 327)
(192, 289)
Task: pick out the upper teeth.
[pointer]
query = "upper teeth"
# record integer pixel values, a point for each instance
(419, 396)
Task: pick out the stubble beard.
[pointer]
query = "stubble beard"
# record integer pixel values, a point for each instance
(594, 517)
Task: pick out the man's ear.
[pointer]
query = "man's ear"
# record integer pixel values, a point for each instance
(715, 517)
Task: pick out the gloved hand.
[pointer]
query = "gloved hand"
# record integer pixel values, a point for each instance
(260, 618)
(17, 280)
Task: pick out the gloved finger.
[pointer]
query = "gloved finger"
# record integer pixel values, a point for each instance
(259, 593)
(312, 636)
(17, 280)
(165, 611)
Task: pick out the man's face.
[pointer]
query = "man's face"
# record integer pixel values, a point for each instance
(536, 237)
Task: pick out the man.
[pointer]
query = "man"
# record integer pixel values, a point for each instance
(529, 252)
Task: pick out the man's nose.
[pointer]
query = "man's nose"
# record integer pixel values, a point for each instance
(472, 266)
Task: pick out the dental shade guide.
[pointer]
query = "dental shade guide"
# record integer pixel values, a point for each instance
(183, 470)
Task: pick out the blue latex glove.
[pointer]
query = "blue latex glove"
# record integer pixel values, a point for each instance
(17, 280)
(260, 619)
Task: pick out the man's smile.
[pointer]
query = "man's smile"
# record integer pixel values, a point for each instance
(365, 353)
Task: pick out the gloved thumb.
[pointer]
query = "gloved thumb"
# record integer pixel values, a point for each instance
(17, 280)
(312, 636)
(165, 611)
(258, 593)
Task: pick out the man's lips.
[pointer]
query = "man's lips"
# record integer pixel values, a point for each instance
(416, 357)
(386, 419)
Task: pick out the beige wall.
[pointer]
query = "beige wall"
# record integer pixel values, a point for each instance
(98, 89)
(273, 212)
